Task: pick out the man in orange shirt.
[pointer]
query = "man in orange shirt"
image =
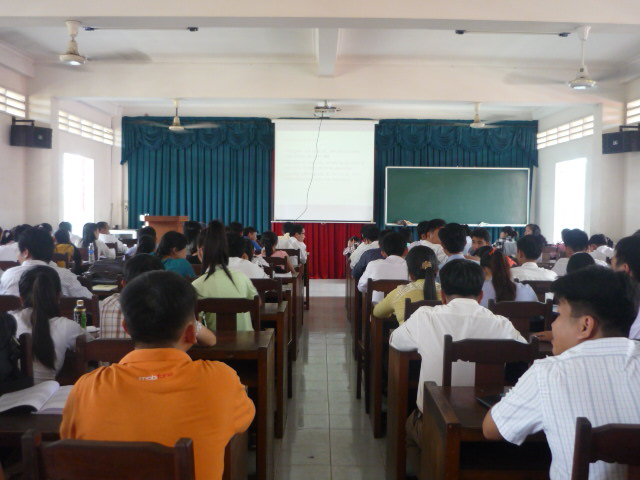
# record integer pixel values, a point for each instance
(157, 393)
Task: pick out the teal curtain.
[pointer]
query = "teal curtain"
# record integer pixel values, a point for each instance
(438, 143)
(222, 173)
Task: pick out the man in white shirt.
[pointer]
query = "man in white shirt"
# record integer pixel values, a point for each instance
(599, 248)
(284, 240)
(575, 241)
(392, 267)
(593, 373)
(429, 237)
(480, 237)
(10, 251)
(370, 234)
(461, 317)
(626, 258)
(296, 240)
(106, 237)
(453, 238)
(36, 248)
(75, 239)
(529, 250)
(239, 250)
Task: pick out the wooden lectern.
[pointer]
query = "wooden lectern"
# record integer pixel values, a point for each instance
(164, 224)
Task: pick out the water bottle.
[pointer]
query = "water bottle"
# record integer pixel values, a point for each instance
(91, 253)
(80, 314)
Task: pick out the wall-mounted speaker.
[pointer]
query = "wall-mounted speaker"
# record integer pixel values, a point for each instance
(24, 133)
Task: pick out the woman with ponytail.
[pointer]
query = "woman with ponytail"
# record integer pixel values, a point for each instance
(40, 316)
(498, 284)
(269, 241)
(217, 281)
(422, 264)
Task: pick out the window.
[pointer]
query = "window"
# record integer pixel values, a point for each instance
(571, 176)
(77, 187)
(13, 103)
(633, 112)
(84, 128)
(566, 132)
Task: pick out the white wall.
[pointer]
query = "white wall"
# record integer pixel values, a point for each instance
(632, 176)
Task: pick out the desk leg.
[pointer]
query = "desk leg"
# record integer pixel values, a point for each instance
(375, 375)
(397, 401)
(281, 374)
(265, 414)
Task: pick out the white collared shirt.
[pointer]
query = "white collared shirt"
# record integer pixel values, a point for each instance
(597, 379)
(295, 243)
(9, 252)
(602, 253)
(391, 268)
(108, 238)
(63, 333)
(531, 271)
(71, 287)
(284, 241)
(561, 265)
(461, 318)
(250, 269)
(73, 238)
(634, 333)
(363, 247)
(437, 249)
(455, 256)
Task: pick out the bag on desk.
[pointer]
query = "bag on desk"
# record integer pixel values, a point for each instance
(106, 271)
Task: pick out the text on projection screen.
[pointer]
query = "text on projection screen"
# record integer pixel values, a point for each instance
(342, 185)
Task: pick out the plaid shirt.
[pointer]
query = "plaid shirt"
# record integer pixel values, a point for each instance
(111, 318)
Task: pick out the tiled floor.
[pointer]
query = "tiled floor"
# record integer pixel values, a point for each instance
(328, 436)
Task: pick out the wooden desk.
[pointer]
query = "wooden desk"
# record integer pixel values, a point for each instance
(356, 316)
(276, 316)
(404, 370)
(454, 446)
(252, 355)
(297, 308)
(12, 427)
(379, 346)
(347, 284)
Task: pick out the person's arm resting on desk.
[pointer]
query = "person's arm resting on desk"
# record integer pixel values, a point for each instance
(518, 414)
(405, 337)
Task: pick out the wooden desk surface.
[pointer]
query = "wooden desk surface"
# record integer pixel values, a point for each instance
(12, 426)
(239, 342)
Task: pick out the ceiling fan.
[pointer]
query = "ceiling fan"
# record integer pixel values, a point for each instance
(583, 80)
(176, 126)
(71, 56)
(477, 121)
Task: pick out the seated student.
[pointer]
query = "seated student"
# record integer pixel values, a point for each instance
(172, 250)
(111, 318)
(9, 251)
(269, 240)
(461, 317)
(36, 248)
(422, 265)
(239, 259)
(369, 256)
(284, 239)
(600, 247)
(72, 236)
(46, 227)
(52, 334)
(480, 237)
(252, 234)
(142, 231)
(626, 258)
(392, 266)
(191, 230)
(498, 285)
(352, 244)
(533, 229)
(90, 235)
(575, 241)
(578, 261)
(156, 393)
(593, 373)
(370, 235)
(63, 245)
(429, 233)
(146, 245)
(529, 250)
(407, 234)
(297, 241)
(507, 241)
(217, 281)
(106, 237)
(454, 239)
(467, 246)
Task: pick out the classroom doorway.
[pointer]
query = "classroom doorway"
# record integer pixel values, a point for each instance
(570, 193)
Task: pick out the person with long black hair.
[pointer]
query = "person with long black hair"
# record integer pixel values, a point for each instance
(498, 284)
(52, 334)
(422, 264)
(63, 245)
(90, 234)
(217, 281)
(269, 242)
(172, 250)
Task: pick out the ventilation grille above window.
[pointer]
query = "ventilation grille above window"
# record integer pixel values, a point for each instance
(633, 112)
(566, 132)
(85, 128)
(13, 103)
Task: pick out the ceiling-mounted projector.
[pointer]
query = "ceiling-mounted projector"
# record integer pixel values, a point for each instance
(325, 110)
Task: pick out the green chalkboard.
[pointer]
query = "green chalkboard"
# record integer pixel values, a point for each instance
(494, 196)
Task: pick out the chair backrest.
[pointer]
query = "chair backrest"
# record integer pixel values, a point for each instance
(522, 313)
(129, 242)
(411, 307)
(276, 262)
(58, 258)
(489, 355)
(67, 304)
(83, 459)
(112, 245)
(226, 310)
(540, 287)
(612, 443)
(110, 350)
(383, 285)
(549, 252)
(292, 252)
(269, 289)
(9, 302)
(7, 264)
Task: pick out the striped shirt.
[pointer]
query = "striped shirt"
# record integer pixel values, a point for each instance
(597, 379)
(111, 318)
